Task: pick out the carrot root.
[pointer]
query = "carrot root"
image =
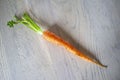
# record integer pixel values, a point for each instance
(49, 36)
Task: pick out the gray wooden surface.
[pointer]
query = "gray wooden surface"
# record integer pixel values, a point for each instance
(92, 24)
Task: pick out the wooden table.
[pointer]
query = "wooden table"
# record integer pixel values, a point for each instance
(93, 26)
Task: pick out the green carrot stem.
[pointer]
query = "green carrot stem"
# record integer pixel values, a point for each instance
(27, 21)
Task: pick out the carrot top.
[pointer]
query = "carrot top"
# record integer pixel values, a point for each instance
(27, 21)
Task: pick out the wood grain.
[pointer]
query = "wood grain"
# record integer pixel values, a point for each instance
(93, 25)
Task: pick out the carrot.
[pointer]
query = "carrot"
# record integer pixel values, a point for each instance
(51, 37)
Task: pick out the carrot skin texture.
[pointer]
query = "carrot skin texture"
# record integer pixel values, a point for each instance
(51, 37)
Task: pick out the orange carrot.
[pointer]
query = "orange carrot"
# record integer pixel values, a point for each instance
(51, 37)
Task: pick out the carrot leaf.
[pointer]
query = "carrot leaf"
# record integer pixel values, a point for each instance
(27, 21)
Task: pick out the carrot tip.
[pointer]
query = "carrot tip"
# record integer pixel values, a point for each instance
(105, 66)
(101, 65)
